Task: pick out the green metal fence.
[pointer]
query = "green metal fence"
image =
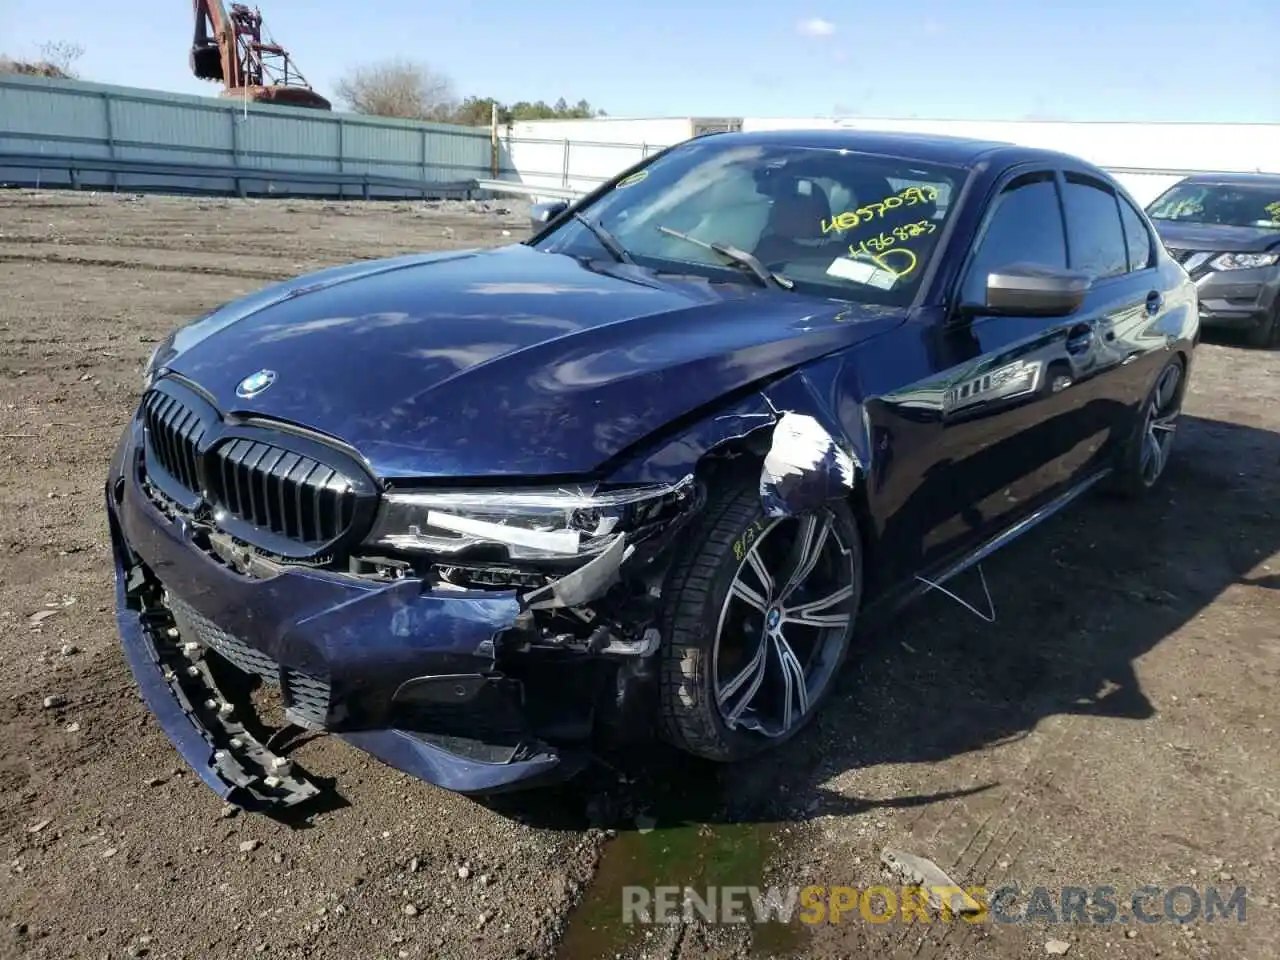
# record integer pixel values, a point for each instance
(62, 118)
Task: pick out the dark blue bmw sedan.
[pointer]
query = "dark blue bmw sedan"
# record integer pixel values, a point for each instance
(479, 513)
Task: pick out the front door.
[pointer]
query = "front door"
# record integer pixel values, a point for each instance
(977, 441)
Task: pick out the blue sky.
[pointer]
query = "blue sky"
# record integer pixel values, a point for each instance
(982, 59)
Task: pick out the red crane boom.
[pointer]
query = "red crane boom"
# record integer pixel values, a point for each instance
(228, 48)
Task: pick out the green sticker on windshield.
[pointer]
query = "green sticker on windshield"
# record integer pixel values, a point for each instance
(1273, 209)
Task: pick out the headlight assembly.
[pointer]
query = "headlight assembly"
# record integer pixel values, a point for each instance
(164, 347)
(532, 524)
(149, 371)
(1244, 261)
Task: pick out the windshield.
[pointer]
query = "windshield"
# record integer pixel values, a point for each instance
(827, 222)
(1233, 204)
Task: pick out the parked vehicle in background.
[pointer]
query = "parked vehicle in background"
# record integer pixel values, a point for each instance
(478, 512)
(1225, 231)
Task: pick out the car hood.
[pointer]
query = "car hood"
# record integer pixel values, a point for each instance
(503, 362)
(1215, 237)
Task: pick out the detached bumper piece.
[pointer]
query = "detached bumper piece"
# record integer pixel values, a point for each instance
(409, 685)
(306, 697)
(256, 778)
(408, 673)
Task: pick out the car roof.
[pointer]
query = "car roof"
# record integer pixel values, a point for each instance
(925, 147)
(1235, 179)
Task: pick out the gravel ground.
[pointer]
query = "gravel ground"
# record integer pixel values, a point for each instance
(1114, 726)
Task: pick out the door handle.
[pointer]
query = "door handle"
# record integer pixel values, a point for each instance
(1155, 300)
(1079, 338)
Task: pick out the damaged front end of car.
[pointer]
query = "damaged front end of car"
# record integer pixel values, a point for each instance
(481, 638)
(583, 565)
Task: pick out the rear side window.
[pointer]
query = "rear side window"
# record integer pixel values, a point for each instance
(1136, 237)
(1025, 227)
(1093, 224)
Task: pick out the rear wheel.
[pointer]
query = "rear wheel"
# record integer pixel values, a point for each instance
(757, 622)
(1146, 454)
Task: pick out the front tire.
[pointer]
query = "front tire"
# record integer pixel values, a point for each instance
(757, 621)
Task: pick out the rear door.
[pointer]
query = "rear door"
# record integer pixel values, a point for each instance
(1109, 240)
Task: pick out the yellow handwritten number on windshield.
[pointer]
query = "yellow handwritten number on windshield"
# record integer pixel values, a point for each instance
(852, 218)
(631, 180)
(877, 249)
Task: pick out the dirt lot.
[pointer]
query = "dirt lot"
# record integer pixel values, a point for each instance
(1114, 726)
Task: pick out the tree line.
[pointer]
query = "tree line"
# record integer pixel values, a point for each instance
(57, 60)
(410, 90)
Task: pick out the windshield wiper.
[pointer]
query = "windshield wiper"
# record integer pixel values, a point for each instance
(607, 239)
(739, 257)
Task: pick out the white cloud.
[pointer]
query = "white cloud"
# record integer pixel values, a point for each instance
(815, 27)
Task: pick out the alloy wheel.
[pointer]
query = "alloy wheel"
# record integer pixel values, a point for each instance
(785, 621)
(1160, 425)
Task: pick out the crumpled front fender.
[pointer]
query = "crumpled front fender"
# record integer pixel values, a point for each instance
(805, 467)
(809, 456)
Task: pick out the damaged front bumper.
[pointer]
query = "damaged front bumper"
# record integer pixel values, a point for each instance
(413, 675)
(473, 677)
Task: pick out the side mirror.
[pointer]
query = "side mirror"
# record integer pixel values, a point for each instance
(543, 213)
(1031, 290)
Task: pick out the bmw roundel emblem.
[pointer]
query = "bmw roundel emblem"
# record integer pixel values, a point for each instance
(255, 383)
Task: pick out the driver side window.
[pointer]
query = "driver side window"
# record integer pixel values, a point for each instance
(1025, 227)
(728, 209)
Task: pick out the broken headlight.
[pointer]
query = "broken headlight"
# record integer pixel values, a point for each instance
(532, 524)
